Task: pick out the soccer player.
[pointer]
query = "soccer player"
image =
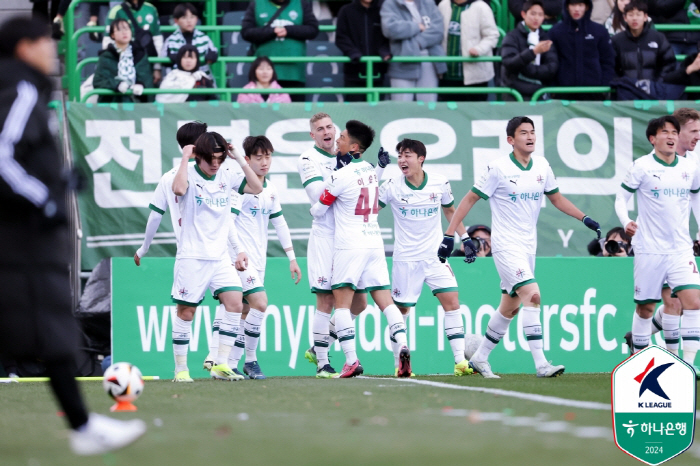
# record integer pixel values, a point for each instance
(358, 254)
(663, 250)
(315, 166)
(415, 199)
(163, 196)
(204, 192)
(514, 186)
(255, 213)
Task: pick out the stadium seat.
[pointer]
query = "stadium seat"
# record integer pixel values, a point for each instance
(232, 18)
(324, 74)
(322, 35)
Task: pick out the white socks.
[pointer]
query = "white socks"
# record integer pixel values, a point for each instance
(227, 335)
(672, 331)
(641, 332)
(533, 332)
(214, 342)
(182, 330)
(657, 320)
(321, 336)
(395, 347)
(454, 330)
(497, 328)
(690, 332)
(345, 329)
(237, 351)
(251, 327)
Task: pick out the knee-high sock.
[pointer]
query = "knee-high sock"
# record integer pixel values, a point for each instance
(230, 327)
(641, 332)
(395, 346)
(672, 331)
(690, 332)
(454, 330)
(657, 320)
(252, 324)
(214, 342)
(345, 329)
(321, 337)
(237, 351)
(496, 329)
(397, 327)
(533, 332)
(332, 336)
(182, 330)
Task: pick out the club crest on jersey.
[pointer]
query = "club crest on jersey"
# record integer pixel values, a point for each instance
(637, 290)
(685, 176)
(250, 280)
(322, 280)
(433, 197)
(183, 292)
(222, 186)
(540, 180)
(397, 292)
(520, 273)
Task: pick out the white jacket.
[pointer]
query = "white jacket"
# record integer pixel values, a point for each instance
(479, 31)
(178, 79)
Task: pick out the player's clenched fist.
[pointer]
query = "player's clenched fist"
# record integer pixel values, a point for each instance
(469, 250)
(446, 247)
(592, 224)
(631, 228)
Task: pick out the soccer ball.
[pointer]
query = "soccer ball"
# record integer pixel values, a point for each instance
(123, 381)
(471, 344)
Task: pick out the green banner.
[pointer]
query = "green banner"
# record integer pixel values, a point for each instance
(124, 150)
(587, 306)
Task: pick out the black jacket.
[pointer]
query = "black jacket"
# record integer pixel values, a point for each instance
(586, 56)
(259, 35)
(648, 56)
(517, 62)
(358, 34)
(31, 173)
(107, 69)
(673, 12)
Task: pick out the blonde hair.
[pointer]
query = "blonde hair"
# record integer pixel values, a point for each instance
(316, 117)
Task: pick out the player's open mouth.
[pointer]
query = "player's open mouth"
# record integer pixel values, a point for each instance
(404, 168)
(328, 139)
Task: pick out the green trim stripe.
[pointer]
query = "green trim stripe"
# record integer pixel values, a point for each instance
(553, 191)
(276, 214)
(375, 288)
(257, 289)
(181, 342)
(422, 185)
(242, 186)
(397, 332)
(445, 290)
(186, 303)
(239, 344)
(227, 334)
(320, 290)
(691, 338)
(346, 338)
(343, 285)
(646, 301)
(519, 165)
(447, 206)
(456, 336)
(235, 211)
(381, 204)
(481, 195)
(311, 180)
(491, 339)
(695, 191)
(202, 174)
(671, 341)
(533, 337)
(225, 289)
(156, 209)
(672, 164)
(321, 344)
(686, 287)
(251, 334)
(404, 304)
(521, 284)
(627, 188)
(323, 152)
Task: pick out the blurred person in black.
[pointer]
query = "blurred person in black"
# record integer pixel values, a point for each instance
(36, 320)
(615, 244)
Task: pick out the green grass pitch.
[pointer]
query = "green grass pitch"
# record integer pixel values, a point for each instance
(304, 421)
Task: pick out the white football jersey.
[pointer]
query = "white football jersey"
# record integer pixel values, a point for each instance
(417, 218)
(165, 199)
(354, 195)
(663, 198)
(515, 194)
(205, 208)
(251, 223)
(315, 164)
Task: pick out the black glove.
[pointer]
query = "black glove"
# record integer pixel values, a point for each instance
(592, 224)
(446, 247)
(383, 157)
(469, 251)
(342, 160)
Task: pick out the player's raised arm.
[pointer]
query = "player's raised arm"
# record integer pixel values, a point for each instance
(383, 160)
(180, 181)
(253, 184)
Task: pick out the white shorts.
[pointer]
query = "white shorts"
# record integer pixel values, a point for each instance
(651, 270)
(515, 269)
(319, 263)
(360, 269)
(252, 280)
(194, 276)
(407, 280)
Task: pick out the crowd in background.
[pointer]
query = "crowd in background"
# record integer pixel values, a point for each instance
(590, 43)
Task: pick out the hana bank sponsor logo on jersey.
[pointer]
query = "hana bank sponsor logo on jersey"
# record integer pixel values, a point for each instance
(670, 192)
(255, 209)
(534, 196)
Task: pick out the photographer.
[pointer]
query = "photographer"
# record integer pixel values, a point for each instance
(615, 244)
(481, 237)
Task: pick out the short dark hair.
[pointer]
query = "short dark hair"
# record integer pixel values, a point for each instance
(182, 8)
(186, 50)
(255, 144)
(530, 3)
(636, 5)
(209, 144)
(189, 132)
(114, 24)
(657, 123)
(360, 133)
(414, 146)
(620, 231)
(254, 66)
(515, 122)
(16, 29)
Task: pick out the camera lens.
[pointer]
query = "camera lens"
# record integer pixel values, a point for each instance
(477, 243)
(612, 247)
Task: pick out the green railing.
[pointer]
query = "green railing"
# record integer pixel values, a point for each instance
(570, 90)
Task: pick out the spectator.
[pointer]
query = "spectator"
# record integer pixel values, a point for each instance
(642, 53)
(687, 74)
(529, 60)
(481, 237)
(358, 34)
(146, 31)
(262, 75)
(584, 49)
(94, 12)
(615, 22)
(414, 29)
(552, 10)
(470, 30)
(187, 75)
(601, 10)
(676, 12)
(123, 66)
(615, 244)
(280, 28)
(186, 17)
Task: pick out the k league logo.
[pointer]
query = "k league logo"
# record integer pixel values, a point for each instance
(653, 401)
